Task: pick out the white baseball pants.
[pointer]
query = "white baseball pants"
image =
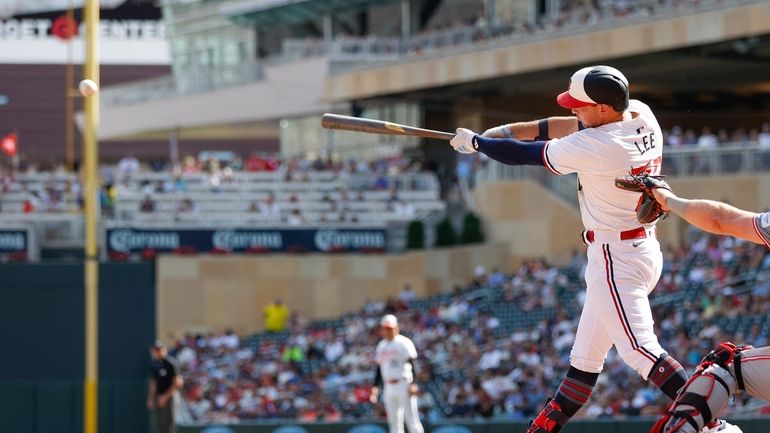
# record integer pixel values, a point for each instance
(619, 277)
(401, 408)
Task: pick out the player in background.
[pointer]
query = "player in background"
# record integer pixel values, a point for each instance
(166, 381)
(395, 357)
(608, 135)
(728, 369)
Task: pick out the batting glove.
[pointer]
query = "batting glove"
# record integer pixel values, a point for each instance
(502, 131)
(463, 141)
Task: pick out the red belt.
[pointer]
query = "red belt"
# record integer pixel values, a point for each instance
(394, 381)
(637, 233)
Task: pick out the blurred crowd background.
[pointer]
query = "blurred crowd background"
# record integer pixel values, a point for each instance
(494, 348)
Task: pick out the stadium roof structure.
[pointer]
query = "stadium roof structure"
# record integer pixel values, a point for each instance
(258, 12)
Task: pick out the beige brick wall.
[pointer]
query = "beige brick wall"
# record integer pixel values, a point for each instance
(214, 292)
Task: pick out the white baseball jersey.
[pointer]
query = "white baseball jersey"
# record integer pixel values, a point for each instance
(601, 154)
(393, 358)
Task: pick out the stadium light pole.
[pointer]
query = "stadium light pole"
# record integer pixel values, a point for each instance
(90, 188)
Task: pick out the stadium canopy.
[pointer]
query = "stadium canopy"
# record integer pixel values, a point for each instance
(259, 12)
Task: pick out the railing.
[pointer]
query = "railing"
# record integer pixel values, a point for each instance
(353, 49)
(369, 49)
(726, 160)
(56, 230)
(196, 79)
(137, 92)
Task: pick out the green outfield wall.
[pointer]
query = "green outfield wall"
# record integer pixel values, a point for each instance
(42, 362)
(41, 367)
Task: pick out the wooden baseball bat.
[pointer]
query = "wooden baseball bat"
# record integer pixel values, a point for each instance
(372, 126)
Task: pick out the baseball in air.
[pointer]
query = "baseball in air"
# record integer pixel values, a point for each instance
(88, 87)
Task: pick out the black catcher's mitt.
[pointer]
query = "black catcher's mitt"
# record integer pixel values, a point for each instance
(648, 210)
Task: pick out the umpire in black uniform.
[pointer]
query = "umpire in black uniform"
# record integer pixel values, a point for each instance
(166, 380)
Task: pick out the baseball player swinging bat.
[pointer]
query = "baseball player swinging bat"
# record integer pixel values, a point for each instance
(372, 126)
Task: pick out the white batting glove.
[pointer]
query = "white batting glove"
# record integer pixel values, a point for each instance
(463, 141)
(502, 131)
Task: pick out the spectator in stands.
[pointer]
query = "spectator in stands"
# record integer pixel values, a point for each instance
(269, 207)
(190, 165)
(407, 294)
(158, 165)
(146, 186)
(675, 138)
(292, 352)
(491, 358)
(276, 315)
(707, 139)
(690, 137)
(295, 218)
(763, 138)
(334, 349)
(187, 206)
(722, 136)
(31, 203)
(56, 202)
(496, 277)
(128, 167)
(160, 187)
(461, 408)
(485, 404)
(147, 205)
(739, 136)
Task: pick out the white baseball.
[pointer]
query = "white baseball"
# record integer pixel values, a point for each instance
(88, 87)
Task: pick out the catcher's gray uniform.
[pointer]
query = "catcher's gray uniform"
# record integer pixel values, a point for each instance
(725, 371)
(755, 369)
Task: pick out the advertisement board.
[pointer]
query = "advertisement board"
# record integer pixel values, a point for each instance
(18, 243)
(132, 33)
(129, 240)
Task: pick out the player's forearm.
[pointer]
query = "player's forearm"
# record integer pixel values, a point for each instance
(559, 127)
(555, 127)
(715, 217)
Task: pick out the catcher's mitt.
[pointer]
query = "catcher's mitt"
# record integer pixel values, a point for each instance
(648, 210)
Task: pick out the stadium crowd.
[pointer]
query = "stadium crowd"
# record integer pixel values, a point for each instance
(221, 167)
(572, 15)
(44, 188)
(707, 139)
(491, 349)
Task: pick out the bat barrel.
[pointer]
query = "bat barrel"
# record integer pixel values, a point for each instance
(358, 124)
